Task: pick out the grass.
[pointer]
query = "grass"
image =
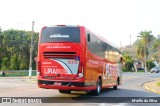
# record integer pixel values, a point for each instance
(13, 73)
(140, 71)
(158, 83)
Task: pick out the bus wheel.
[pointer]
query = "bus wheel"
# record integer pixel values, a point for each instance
(98, 89)
(65, 91)
(115, 87)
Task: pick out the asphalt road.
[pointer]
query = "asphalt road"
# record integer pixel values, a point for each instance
(131, 87)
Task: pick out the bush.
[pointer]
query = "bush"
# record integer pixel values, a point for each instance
(11, 73)
(150, 65)
(128, 66)
(158, 83)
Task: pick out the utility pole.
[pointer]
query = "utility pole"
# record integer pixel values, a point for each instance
(31, 51)
(130, 44)
(145, 64)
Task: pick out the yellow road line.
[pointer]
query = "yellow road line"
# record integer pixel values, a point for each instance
(150, 89)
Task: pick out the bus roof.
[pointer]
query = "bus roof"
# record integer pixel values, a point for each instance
(100, 37)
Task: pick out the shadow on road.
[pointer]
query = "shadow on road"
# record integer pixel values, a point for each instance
(108, 95)
(110, 92)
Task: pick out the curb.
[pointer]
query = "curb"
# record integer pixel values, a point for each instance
(150, 89)
(18, 77)
(13, 77)
(32, 81)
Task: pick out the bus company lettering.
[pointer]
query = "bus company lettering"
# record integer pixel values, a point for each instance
(93, 61)
(54, 71)
(72, 62)
(46, 63)
(50, 47)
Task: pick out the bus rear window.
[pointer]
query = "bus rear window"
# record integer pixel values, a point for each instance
(60, 34)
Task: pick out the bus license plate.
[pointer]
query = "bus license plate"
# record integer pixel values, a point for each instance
(57, 83)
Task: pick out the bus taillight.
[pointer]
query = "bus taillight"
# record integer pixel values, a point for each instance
(38, 67)
(80, 70)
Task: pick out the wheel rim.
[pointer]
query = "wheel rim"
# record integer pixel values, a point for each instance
(98, 87)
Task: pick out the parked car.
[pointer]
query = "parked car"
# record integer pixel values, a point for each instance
(155, 70)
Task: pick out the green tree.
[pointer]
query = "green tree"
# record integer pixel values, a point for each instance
(14, 49)
(141, 50)
(129, 63)
(143, 47)
(150, 64)
(4, 64)
(156, 46)
(14, 62)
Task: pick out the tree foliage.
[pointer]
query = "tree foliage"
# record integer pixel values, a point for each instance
(156, 47)
(129, 63)
(145, 47)
(146, 38)
(141, 50)
(15, 49)
(150, 64)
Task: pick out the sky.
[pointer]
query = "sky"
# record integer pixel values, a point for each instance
(114, 20)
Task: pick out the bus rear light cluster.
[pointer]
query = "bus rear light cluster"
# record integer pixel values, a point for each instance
(80, 75)
(80, 68)
(38, 73)
(38, 68)
(80, 71)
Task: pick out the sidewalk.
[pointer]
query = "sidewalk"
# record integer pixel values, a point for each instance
(152, 86)
(19, 77)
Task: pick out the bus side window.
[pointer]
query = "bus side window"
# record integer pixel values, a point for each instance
(88, 37)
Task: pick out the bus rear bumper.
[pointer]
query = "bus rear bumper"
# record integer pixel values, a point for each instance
(77, 86)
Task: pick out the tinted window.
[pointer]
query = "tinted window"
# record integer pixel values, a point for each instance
(60, 34)
(96, 46)
(102, 49)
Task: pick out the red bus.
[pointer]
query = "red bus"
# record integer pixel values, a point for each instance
(72, 58)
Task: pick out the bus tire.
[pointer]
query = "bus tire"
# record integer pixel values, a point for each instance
(98, 88)
(65, 91)
(116, 86)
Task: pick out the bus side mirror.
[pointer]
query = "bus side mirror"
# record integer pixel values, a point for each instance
(88, 37)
